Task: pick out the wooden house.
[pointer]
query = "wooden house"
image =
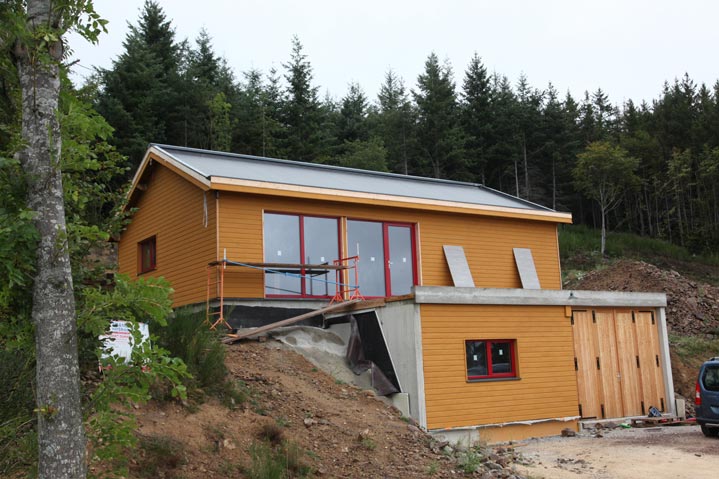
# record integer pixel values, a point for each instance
(481, 340)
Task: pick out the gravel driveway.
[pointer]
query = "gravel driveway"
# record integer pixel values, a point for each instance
(656, 452)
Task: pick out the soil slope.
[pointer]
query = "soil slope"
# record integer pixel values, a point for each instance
(342, 431)
(692, 306)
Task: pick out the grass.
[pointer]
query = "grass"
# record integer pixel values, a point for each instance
(188, 337)
(579, 249)
(694, 350)
(276, 462)
(160, 455)
(368, 443)
(469, 461)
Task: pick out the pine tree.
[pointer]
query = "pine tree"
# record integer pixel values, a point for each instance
(396, 119)
(353, 116)
(140, 95)
(476, 117)
(439, 134)
(301, 109)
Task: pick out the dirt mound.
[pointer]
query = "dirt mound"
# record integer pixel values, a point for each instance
(692, 307)
(336, 430)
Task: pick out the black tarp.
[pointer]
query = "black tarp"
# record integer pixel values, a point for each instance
(367, 350)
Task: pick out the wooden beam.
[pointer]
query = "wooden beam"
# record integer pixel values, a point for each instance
(233, 338)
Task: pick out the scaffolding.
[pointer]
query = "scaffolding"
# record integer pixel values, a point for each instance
(344, 291)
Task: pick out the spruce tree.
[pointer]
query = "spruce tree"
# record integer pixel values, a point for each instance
(396, 120)
(476, 117)
(140, 95)
(439, 134)
(302, 112)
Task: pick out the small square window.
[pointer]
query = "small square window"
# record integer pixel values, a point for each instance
(147, 255)
(490, 359)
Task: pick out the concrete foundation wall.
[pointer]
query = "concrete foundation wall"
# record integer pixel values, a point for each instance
(400, 325)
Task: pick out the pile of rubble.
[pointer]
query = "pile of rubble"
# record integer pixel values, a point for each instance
(482, 461)
(693, 307)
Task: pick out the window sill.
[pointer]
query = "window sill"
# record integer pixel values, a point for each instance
(146, 271)
(491, 380)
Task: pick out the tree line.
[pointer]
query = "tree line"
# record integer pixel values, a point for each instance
(477, 126)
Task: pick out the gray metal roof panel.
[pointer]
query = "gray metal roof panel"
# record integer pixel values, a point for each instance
(246, 167)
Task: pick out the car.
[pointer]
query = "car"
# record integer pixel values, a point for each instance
(706, 398)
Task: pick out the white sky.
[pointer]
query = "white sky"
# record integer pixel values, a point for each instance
(628, 48)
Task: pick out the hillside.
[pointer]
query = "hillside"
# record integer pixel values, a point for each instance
(329, 429)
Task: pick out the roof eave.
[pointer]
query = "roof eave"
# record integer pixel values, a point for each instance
(282, 189)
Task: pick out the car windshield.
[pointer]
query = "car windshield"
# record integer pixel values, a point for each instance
(710, 379)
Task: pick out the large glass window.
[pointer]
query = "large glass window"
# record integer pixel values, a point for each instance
(293, 240)
(386, 250)
(489, 359)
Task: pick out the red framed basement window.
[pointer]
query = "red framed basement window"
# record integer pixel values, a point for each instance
(147, 255)
(491, 359)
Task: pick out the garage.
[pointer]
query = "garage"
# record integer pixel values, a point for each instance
(618, 360)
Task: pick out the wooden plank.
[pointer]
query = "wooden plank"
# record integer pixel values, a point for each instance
(651, 370)
(589, 386)
(630, 379)
(609, 365)
(233, 338)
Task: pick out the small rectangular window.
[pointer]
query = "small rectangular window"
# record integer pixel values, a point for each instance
(147, 255)
(490, 359)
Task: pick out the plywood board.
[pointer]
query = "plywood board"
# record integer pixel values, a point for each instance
(458, 267)
(589, 387)
(526, 268)
(630, 379)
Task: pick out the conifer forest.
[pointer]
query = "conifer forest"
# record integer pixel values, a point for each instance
(647, 168)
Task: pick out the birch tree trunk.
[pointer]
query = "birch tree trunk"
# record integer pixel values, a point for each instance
(61, 440)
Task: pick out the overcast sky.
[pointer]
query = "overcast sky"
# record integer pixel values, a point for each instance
(628, 48)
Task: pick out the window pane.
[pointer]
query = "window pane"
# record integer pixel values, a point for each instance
(501, 358)
(476, 358)
(401, 271)
(321, 246)
(282, 245)
(366, 237)
(711, 378)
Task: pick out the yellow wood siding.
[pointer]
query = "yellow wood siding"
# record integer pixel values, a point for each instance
(487, 241)
(544, 348)
(172, 209)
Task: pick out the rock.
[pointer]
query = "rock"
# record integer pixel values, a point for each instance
(566, 432)
(228, 444)
(309, 421)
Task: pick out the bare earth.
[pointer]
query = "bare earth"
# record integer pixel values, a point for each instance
(661, 452)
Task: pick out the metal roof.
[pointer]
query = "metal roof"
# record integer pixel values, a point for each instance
(245, 167)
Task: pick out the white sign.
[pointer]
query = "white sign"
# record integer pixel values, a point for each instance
(118, 341)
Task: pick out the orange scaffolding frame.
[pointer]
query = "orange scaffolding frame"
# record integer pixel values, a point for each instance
(343, 291)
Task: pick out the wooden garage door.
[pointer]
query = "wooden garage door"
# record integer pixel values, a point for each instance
(617, 361)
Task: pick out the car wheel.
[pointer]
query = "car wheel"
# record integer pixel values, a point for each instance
(710, 431)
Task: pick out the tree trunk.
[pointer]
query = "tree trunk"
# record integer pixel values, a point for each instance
(604, 231)
(61, 440)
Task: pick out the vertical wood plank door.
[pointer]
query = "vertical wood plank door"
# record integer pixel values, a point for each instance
(650, 366)
(589, 386)
(630, 379)
(609, 363)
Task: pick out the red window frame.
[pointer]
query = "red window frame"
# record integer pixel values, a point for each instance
(303, 281)
(488, 354)
(148, 245)
(385, 249)
(387, 269)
